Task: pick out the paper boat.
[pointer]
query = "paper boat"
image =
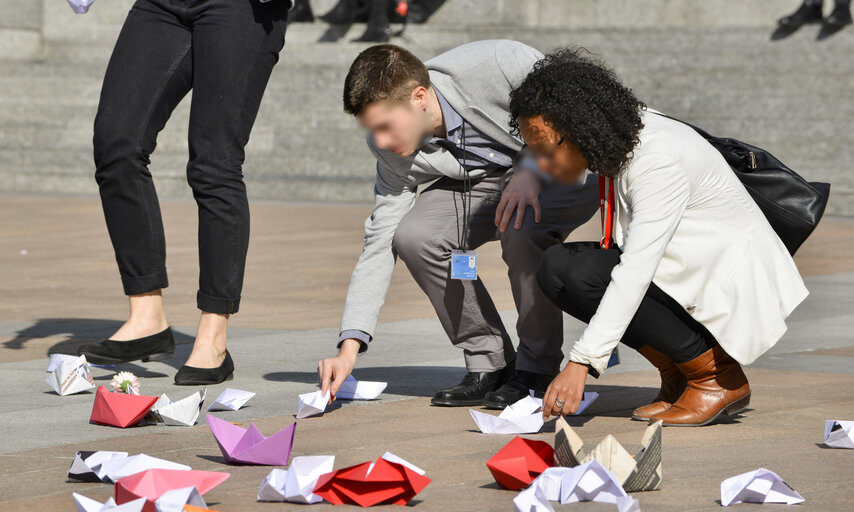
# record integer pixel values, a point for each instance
(388, 480)
(152, 484)
(249, 446)
(641, 472)
(119, 409)
(182, 413)
(68, 377)
(517, 464)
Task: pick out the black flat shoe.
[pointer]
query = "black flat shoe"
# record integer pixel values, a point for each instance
(192, 376)
(840, 17)
(517, 388)
(473, 388)
(157, 347)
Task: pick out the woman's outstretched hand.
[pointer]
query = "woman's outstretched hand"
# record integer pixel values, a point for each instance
(565, 392)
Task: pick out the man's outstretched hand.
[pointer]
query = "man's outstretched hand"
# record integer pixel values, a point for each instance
(334, 371)
(522, 191)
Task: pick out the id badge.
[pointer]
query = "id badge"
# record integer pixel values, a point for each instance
(615, 358)
(464, 265)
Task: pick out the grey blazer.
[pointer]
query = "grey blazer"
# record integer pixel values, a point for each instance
(476, 80)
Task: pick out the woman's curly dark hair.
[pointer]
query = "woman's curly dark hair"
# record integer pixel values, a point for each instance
(582, 99)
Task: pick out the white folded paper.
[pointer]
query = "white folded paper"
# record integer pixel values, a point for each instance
(116, 468)
(69, 375)
(174, 500)
(55, 360)
(587, 482)
(80, 6)
(758, 486)
(639, 472)
(231, 400)
(590, 482)
(86, 504)
(87, 465)
(352, 389)
(523, 417)
(839, 434)
(170, 501)
(311, 404)
(297, 482)
(182, 413)
(628, 504)
(397, 460)
(532, 499)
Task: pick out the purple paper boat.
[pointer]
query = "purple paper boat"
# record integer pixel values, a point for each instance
(249, 446)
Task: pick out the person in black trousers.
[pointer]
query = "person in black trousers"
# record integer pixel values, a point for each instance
(224, 51)
(810, 12)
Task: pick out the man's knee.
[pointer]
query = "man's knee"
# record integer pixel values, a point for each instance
(411, 241)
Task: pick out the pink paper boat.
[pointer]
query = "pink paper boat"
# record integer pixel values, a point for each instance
(249, 446)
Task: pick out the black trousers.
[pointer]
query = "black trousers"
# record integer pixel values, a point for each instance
(224, 51)
(575, 275)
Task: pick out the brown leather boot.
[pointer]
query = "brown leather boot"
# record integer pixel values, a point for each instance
(672, 384)
(716, 385)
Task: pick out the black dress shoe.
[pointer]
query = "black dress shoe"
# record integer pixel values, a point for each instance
(192, 376)
(345, 12)
(301, 13)
(840, 16)
(157, 347)
(375, 34)
(806, 13)
(517, 388)
(473, 388)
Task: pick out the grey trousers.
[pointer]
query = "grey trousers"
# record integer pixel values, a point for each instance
(429, 232)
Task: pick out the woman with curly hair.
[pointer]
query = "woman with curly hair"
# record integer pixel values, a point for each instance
(695, 279)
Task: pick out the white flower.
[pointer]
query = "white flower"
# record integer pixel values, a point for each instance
(125, 382)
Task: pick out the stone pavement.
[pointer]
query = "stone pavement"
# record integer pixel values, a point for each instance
(60, 287)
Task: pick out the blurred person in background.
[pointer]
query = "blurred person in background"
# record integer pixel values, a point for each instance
(811, 12)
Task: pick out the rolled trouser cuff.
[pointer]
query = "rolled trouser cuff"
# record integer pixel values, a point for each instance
(136, 285)
(218, 305)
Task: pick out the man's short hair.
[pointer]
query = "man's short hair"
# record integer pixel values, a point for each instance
(382, 72)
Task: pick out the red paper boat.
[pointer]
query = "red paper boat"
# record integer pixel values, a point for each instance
(119, 409)
(364, 485)
(152, 483)
(517, 464)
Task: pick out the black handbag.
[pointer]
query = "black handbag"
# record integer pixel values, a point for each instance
(792, 205)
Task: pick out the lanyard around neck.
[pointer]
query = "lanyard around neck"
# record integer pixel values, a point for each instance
(606, 209)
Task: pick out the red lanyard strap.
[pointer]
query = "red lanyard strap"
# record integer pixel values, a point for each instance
(606, 209)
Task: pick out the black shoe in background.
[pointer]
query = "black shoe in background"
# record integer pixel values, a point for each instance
(473, 388)
(157, 347)
(375, 34)
(840, 16)
(806, 13)
(345, 12)
(517, 388)
(301, 13)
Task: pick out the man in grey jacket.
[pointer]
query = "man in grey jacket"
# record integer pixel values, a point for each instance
(447, 120)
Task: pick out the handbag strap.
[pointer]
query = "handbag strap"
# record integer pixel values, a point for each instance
(606, 210)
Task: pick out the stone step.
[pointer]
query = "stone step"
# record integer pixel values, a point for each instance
(791, 97)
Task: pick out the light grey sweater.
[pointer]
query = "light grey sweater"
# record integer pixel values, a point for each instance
(476, 80)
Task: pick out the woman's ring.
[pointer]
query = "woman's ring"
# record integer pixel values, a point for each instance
(559, 403)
